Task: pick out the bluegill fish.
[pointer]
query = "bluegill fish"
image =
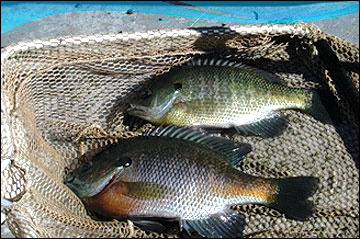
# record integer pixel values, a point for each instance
(223, 94)
(184, 175)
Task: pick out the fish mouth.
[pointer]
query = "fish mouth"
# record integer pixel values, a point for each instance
(154, 111)
(147, 113)
(137, 110)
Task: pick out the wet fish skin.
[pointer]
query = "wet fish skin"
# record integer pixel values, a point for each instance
(223, 97)
(94, 178)
(183, 174)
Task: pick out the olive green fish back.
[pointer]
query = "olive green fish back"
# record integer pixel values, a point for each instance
(63, 100)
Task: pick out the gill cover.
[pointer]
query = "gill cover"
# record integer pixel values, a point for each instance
(92, 177)
(156, 101)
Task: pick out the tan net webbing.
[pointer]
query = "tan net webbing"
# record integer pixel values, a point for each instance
(62, 100)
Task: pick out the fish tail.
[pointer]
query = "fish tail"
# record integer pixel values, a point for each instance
(292, 194)
(316, 108)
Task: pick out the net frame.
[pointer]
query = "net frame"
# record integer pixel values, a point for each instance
(49, 125)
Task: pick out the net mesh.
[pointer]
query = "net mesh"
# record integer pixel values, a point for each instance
(63, 100)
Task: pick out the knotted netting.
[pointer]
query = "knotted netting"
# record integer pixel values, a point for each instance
(64, 99)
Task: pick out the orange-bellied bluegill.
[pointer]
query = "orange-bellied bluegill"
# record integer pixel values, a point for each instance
(184, 175)
(223, 94)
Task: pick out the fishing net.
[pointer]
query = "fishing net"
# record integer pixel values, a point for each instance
(64, 99)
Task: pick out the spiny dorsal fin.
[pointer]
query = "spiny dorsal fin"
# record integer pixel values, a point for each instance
(233, 62)
(234, 151)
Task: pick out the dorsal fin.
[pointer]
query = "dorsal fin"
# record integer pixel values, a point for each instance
(233, 62)
(234, 151)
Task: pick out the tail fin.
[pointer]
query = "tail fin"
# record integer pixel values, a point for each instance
(292, 195)
(316, 108)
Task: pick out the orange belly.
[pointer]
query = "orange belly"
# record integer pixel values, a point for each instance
(112, 201)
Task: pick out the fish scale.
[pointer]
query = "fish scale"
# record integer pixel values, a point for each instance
(178, 181)
(178, 173)
(224, 96)
(249, 95)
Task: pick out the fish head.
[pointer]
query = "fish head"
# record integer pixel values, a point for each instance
(94, 176)
(155, 101)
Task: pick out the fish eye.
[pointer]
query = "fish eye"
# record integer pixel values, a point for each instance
(174, 230)
(146, 94)
(177, 86)
(124, 162)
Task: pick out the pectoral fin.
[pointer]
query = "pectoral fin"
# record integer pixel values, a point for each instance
(146, 190)
(228, 224)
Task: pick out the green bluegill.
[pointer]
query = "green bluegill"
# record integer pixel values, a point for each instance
(223, 94)
(184, 175)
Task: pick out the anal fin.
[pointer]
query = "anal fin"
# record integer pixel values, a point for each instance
(271, 126)
(229, 224)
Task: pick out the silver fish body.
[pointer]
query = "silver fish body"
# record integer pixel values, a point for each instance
(189, 176)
